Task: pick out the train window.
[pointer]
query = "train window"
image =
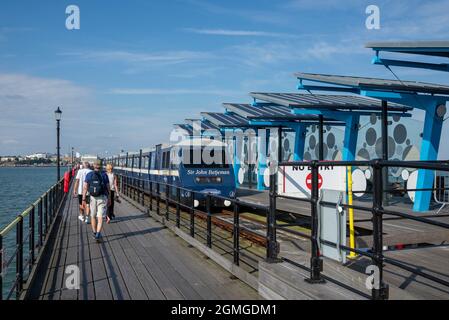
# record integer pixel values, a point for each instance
(149, 161)
(167, 160)
(152, 161)
(163, 161)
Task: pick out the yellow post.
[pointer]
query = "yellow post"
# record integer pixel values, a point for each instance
(352, 254)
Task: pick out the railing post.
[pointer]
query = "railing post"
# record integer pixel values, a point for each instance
(126, 186)
(31, 239)
(167, 194)
(151, 195)
(271, 221)
(53, 203)
(1, 267)
(142, 194)
(209, 220)
(19, 257)
(46, 213)
(316, 263)
(178, 207)
(192, 214)
(236, 233)
(158, 199)
(133, 183)
(380, 289)
(136, 189)
(40, 222)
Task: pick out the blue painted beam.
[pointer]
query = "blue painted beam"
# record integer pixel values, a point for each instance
(238, 145)
(262, 150)
(350, 139)
(300, 139)
(411, 64)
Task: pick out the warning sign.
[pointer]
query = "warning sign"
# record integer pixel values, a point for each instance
(296, 181)
(309, 181)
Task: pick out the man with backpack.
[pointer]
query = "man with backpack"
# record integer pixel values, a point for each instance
(97, 185)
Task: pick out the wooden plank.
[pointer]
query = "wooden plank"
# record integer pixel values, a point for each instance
(87, 291)
(196, 275)
(156, 285)
(170, 247)
(135, 289)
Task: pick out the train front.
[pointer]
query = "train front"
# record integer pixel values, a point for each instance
(205, 168)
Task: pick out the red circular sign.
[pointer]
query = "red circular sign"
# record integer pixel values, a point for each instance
(309, 181)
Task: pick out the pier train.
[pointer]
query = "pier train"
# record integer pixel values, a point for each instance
(178, 165)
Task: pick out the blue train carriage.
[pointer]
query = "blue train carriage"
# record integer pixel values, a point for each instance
(183, 165)
(203, 166)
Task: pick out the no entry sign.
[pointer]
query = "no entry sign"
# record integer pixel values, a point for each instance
(309, 181)
(296, 181)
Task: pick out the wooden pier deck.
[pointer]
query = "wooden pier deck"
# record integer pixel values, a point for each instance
(138, 259)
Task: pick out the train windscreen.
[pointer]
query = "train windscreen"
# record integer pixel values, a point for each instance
(204, 157)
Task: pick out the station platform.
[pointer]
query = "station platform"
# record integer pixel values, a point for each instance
(137, 259)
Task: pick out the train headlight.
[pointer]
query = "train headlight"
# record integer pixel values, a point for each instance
(227, 203)
(196, 203)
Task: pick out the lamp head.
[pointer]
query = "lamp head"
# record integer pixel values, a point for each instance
(58, 114)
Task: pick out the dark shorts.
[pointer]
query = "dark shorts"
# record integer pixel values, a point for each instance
(80, 199)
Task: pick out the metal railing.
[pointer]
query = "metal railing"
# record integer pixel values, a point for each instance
(377, 212)
(31, 229)
(177, 205)
(441, 194)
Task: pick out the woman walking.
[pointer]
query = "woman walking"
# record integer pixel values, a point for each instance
(114, 193)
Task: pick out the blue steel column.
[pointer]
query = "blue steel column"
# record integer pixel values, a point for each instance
(350, 139)
(429, 151)
(236, 160)
(300, 139)
(262, 149)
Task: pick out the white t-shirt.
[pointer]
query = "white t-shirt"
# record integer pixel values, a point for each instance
(111, 178)
(81, 176)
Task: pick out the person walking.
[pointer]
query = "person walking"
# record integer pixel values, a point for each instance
(97, 184)
(78, 191)
(114, 192)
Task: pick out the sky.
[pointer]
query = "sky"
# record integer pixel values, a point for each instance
(136, 67)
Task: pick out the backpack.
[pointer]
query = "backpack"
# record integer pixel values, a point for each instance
(96, 185)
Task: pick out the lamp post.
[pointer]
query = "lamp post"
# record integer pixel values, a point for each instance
(72, 157)
(58, 115)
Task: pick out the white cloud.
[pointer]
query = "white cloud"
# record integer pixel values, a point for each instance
(159, 91)
(157, 58)
(323, 4)
(240, 33)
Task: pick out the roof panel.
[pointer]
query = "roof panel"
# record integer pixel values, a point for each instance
(266, 112)
(376, 83)
(429, 48)
(332, 102)
(225, 119)
(185, 127)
